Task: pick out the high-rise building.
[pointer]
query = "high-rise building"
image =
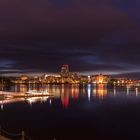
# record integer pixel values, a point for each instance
(65, 70)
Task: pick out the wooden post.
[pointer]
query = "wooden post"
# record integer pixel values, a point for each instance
(0, 130)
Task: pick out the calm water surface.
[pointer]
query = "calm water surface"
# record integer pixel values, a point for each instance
(75, 112)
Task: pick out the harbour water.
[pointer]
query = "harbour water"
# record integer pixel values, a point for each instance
(74, 112)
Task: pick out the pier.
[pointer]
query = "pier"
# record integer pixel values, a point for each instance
(9, 95)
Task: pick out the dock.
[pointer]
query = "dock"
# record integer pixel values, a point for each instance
(5, 95)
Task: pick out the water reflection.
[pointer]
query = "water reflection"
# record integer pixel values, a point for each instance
(67, 93)
(128, 89)
(114, 91)
(100, 91)
(89, 91)
(137, 92)
(30, 100)
(36, 99)
(75, 91)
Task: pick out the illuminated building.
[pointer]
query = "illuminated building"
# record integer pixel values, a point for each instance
(83, 79)
(75, 78)
(64, 71)
(100, 79)
(24, 77)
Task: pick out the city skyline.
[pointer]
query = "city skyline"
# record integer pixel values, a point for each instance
(69, 69)
(58, 73)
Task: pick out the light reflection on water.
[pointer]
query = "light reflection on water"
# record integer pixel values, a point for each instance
(67, 93)
(109, 111)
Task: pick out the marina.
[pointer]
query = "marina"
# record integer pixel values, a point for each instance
(10, 95)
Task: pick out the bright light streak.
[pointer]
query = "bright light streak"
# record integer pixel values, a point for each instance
(114, 91)
(1, 106)
(136, 91)
(89, 92)
(50, 101)
(128, 88)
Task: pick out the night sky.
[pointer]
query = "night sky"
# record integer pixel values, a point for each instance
(90, 35)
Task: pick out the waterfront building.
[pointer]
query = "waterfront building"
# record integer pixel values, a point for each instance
(23, 77)
(83, 79)
(100, 79)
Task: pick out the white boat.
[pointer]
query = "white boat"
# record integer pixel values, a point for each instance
(37, 92)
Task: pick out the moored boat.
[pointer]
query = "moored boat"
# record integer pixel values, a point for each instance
(37, 92)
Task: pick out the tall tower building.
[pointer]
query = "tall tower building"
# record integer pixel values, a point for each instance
(65, 70)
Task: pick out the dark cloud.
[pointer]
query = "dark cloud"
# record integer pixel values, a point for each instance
(88, 35)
